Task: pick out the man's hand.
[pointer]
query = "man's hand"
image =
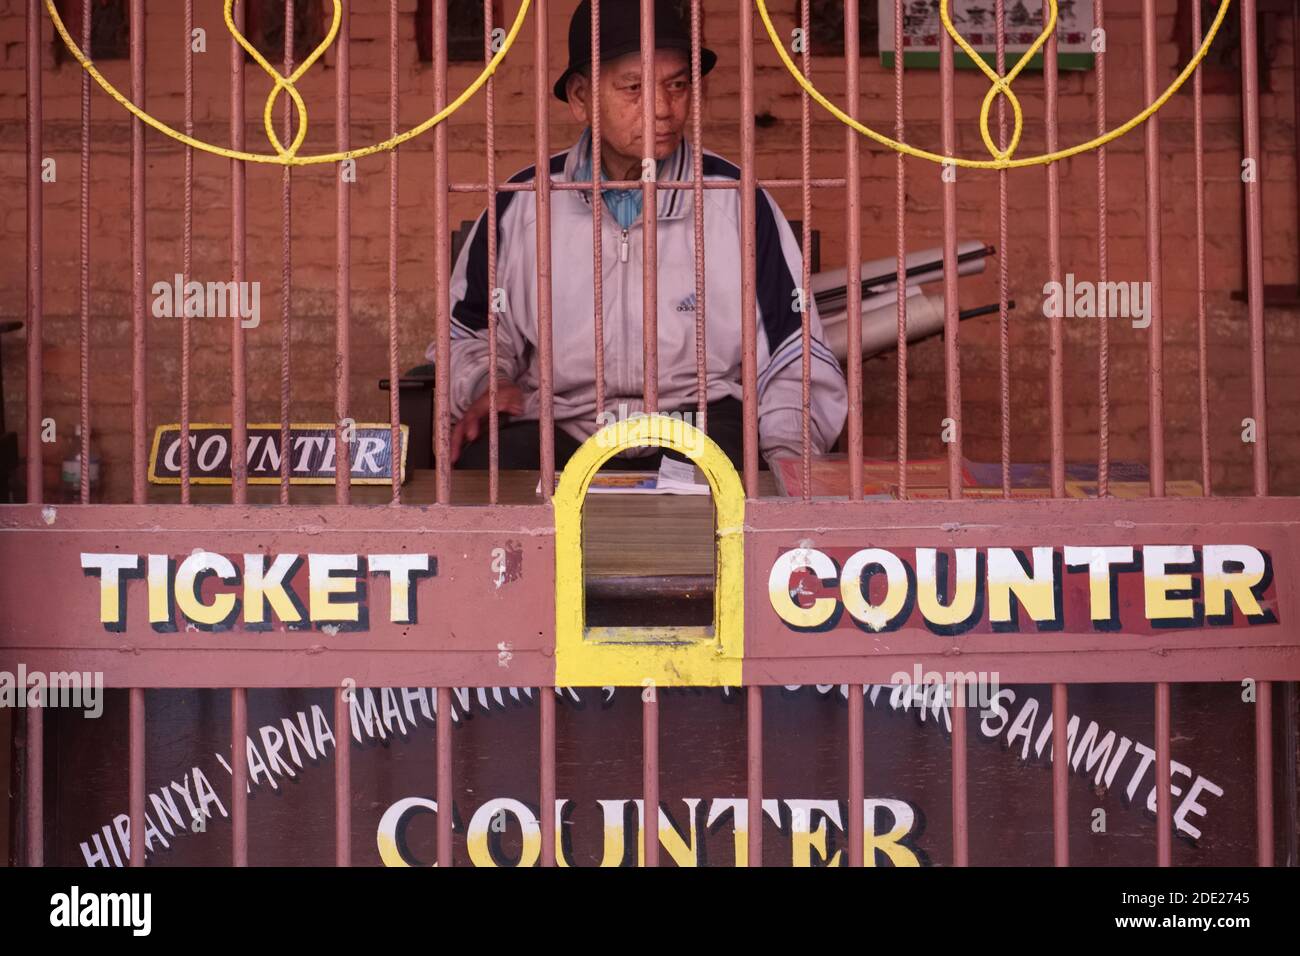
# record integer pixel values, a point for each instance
(510, 401)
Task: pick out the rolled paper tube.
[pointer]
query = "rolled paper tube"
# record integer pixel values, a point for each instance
(830, 293)
(880, 323)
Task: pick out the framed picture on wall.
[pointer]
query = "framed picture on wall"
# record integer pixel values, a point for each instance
(974, 19)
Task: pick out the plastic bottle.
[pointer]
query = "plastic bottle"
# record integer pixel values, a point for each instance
(70, 473)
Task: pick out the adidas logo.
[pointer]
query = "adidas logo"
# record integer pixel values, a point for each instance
(687, 304)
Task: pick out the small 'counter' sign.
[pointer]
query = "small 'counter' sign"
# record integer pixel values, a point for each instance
(312, 453)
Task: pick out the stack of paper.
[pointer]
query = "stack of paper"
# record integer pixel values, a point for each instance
(673, 478)
(681, 478)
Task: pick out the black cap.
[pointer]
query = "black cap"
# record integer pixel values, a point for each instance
(620, 33)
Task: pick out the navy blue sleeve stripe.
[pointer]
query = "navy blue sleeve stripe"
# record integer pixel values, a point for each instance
(795, 344)
(717, 166)
(679, 174)
(472, 310)
(775, 284)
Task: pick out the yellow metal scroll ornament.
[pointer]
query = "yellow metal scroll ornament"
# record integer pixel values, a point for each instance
(1002, 158)
(679, 656)
(287, 155)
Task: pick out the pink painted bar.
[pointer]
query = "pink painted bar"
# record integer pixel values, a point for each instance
(1258, 397)
(754, 772)
(444, 784)
(342, 783)
(239, 776)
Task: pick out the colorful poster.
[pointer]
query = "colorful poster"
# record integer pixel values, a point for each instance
(974, 20)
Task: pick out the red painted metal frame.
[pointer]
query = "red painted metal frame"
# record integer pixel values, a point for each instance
(447, 643)
(139, 387)
(454, 638)
(1056, 413)
(952, 398)
(396, 655)
(853, 279)
(1258, 399)
(777, 654)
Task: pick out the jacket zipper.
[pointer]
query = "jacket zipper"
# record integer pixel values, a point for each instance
(623, 257)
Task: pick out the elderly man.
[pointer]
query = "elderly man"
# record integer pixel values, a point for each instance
(780, 398)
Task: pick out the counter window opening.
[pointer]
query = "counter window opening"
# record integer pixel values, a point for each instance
(590, 653)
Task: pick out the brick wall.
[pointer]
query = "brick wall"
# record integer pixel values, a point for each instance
(313, 288)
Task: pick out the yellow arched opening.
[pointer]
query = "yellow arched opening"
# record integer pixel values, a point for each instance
(649, 656)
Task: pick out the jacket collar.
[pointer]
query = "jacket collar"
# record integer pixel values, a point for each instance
(670, 204)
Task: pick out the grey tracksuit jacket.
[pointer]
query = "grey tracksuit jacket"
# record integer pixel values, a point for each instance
(780, 399)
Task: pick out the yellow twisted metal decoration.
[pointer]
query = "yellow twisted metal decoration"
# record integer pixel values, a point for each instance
(287, 155)
(1002, 158)
(283, 83)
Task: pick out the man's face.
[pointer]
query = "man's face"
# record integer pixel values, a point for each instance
(620, 106)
